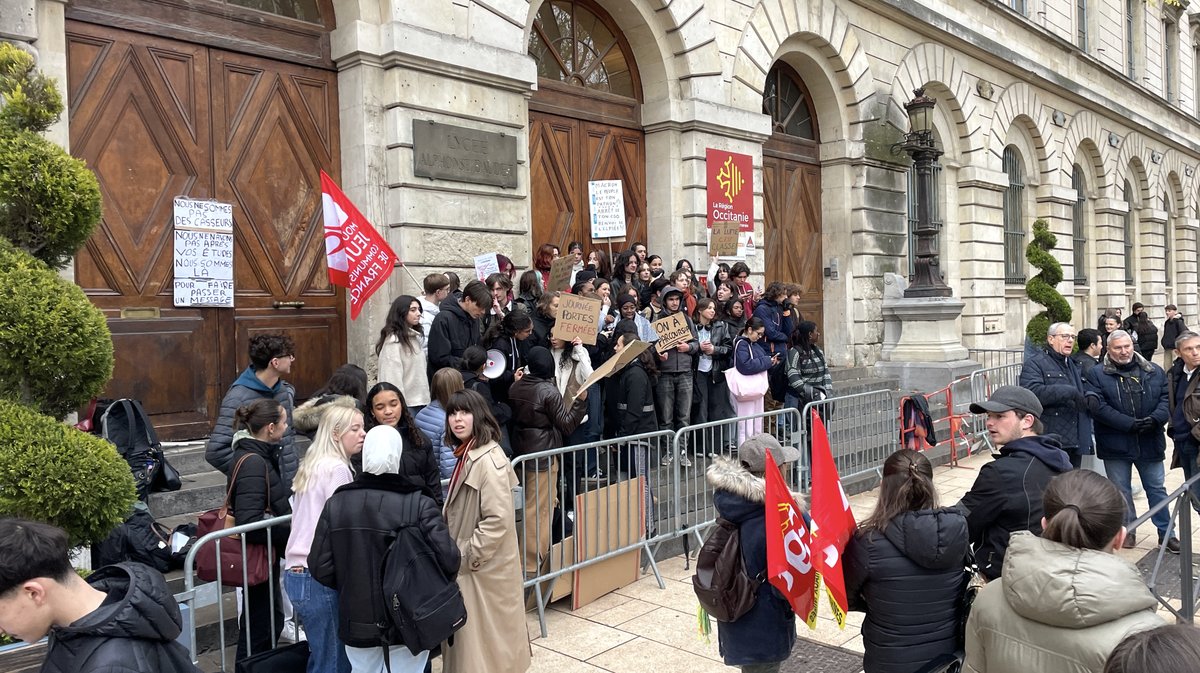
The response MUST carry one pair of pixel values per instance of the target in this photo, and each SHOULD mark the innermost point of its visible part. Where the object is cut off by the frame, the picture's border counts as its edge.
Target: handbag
(255, 565)
(287, 659)
(973, 581)
(746, 387)
(165, 477)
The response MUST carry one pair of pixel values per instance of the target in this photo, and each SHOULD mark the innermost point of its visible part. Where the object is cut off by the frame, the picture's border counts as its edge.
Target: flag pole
(400, 263)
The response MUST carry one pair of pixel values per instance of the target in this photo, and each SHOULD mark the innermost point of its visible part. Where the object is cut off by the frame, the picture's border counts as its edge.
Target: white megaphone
(495, 364)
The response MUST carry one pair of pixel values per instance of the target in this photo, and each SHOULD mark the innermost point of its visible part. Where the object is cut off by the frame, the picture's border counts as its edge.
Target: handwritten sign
(606, 203)
(672, 330)
(723, 238)
(577, 318)
(560, 274)
(486, 265)
(203, 259)
(615, 364)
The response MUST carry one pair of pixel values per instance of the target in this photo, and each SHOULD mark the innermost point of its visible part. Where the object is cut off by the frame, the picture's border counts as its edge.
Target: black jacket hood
(139, 605)
(932, 538)
(1045, 448)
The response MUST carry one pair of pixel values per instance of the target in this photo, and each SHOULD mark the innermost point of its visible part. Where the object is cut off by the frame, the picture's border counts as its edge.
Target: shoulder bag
(226, 552)
(745, 387)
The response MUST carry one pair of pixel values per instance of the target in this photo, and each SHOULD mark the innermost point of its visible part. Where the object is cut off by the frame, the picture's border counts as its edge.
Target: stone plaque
(445, 152)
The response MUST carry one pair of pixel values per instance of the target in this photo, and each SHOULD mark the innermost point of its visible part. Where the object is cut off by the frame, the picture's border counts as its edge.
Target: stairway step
(187, 458)
(200, 492)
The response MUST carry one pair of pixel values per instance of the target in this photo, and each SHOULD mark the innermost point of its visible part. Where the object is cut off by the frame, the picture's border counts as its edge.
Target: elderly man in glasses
(1057, 382)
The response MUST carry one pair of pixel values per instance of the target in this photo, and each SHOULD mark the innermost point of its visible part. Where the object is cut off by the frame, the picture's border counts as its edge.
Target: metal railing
(996, 357)
(196, 597)
(1181, 501)
(863, 431)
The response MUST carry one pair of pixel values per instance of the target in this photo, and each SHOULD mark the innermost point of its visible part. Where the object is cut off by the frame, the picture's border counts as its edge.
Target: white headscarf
(381, 450)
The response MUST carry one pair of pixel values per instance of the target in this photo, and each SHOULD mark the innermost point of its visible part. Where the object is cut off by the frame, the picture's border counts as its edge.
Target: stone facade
(1062, 89)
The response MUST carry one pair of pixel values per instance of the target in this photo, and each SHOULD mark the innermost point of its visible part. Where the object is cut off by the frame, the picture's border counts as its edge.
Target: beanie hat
(541, 362)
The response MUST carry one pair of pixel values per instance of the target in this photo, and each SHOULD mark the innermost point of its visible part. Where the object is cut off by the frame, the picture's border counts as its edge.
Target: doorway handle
(288, 304)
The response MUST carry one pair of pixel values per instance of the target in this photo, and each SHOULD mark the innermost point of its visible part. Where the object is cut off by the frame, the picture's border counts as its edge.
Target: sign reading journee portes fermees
(357, 256)
(446, 152)
(606, 204)
(203, 269)
(578, 318)
(730, 200)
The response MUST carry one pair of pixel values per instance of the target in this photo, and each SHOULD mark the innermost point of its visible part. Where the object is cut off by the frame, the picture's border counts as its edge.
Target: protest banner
(672, 330)
(560, 274)
(577, 319)
(203, 260)
(486, 264)
(606, 203)
(615, 364)
(723, 238)
(358, 258)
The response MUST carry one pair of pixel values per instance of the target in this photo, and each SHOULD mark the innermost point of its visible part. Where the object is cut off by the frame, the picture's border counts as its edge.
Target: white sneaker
(684, 461)
(292, 632)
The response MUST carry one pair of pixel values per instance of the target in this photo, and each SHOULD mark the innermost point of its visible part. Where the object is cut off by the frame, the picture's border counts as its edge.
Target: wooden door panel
(792, 230)
(139, 118)
(553, 159)
(276, 127)
(615, 153)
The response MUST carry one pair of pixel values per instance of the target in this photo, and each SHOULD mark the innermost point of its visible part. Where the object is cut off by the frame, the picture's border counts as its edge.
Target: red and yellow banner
(832, 521)
(790, 566)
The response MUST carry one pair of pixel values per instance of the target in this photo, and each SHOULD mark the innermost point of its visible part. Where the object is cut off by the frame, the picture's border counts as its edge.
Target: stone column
(1151, 250)
(1109, 249)
(981, 255)
(1186, 278)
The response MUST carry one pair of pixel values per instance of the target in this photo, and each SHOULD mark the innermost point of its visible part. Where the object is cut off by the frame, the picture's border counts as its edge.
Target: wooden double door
(156, 119)
(792, 225)
(564, 155)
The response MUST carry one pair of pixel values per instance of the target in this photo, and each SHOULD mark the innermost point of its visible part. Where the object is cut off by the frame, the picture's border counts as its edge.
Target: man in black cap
(1007, 494)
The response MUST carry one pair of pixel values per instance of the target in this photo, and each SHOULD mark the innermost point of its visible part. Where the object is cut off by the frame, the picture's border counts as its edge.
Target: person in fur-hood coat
(764, 636)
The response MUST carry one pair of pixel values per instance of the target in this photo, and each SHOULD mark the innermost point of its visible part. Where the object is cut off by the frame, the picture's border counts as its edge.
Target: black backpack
(721, 583)
(125, 424)
(424, 606)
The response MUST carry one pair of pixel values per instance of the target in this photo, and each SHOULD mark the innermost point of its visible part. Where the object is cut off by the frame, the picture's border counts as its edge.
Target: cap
(753, 452)
(1007, 398)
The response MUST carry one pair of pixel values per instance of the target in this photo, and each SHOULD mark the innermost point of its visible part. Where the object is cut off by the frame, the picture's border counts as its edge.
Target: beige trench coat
(483, 523)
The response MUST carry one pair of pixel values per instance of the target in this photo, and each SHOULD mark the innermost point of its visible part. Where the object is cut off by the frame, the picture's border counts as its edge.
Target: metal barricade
(703, 442)
(989, 358)
(863, 430)
(198, 596)
(616, 501)
(984, 381)
(1181, 502)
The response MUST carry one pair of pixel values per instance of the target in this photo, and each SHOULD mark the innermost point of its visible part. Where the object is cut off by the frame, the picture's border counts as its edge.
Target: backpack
(424, 606)
(721, 583)
(139, 538)
(125, 424)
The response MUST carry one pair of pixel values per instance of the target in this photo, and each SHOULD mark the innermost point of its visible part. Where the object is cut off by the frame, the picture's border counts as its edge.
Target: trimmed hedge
(56, 351)
(31, 100)
(54, 473)
(1041, 288)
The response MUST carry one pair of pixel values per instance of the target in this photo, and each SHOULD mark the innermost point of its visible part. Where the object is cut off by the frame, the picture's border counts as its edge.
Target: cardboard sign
(486, 265)
(723, 238)
(606, 204)
(614, 364)
(672, 331)
(560, 274)
(203, 259)
(608, 519)
(577, 319)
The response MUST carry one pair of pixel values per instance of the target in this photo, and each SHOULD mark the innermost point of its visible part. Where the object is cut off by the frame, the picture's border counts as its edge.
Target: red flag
(832, 520)
(357, 256)
(789, 560)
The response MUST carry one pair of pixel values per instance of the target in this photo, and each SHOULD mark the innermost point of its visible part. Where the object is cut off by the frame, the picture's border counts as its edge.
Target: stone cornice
(693, 115)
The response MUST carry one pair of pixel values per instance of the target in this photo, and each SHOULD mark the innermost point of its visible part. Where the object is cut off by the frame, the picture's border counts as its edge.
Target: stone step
(187, 458)
(200, 492)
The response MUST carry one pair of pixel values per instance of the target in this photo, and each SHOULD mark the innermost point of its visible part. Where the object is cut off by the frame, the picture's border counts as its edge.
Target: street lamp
(927, 278)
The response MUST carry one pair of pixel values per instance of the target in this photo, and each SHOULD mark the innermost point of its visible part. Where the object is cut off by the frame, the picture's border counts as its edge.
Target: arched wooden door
(159, 117)
(792, 190)
(584, 123)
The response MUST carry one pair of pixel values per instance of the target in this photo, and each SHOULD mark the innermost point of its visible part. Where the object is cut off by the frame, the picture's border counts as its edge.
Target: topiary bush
(49, 200)
(1041, 288)
(54, 473)
(55, 346)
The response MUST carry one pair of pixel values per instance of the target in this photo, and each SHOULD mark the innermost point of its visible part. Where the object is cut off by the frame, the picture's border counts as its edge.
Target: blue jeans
(1151, 472)
(316, 606)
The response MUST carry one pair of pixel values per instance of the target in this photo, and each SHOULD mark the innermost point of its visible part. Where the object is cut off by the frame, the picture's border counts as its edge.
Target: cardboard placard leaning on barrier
(578, 318)
(672, 330)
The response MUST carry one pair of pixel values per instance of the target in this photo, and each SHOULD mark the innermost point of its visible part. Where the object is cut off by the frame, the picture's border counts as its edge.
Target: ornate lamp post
(927, 277)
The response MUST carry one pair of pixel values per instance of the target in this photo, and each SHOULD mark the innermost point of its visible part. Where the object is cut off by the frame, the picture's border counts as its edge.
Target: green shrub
(1041, 288)
(54, 473)
(56, 351)
(30, 99)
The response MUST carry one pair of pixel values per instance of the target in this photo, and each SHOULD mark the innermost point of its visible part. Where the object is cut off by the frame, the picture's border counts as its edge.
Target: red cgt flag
(832, 520)
(357, 256)
(789, 561)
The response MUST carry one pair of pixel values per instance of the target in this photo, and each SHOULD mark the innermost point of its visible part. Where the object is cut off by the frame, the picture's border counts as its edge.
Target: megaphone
(495, 364)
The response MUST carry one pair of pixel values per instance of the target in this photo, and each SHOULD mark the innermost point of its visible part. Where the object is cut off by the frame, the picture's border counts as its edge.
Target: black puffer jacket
(629, 403)
(1007, 497)
(250, 493)
(354, 531)
(1057, 382)
(133, 631)
(540, 417)
(247, 389)
(909, 581)
(452, 332)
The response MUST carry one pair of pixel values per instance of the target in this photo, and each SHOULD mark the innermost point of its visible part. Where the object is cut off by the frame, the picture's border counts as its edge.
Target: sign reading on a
(606, 203)
(577, 319)
(560, 274)
(730, 198)
(672, 330)
(203, 260)
(486, 265)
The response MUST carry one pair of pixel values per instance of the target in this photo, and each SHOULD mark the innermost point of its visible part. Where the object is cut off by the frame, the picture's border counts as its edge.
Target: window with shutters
(1079, 226)
(1129, 229)
(1014, 225)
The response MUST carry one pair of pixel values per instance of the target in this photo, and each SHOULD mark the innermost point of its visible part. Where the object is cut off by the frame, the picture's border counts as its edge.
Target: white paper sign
(203, 260)
(606, 202)
(486, 265)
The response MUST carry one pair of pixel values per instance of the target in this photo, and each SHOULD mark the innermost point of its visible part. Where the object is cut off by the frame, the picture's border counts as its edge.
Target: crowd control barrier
(1182, 502)
(863, 431)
